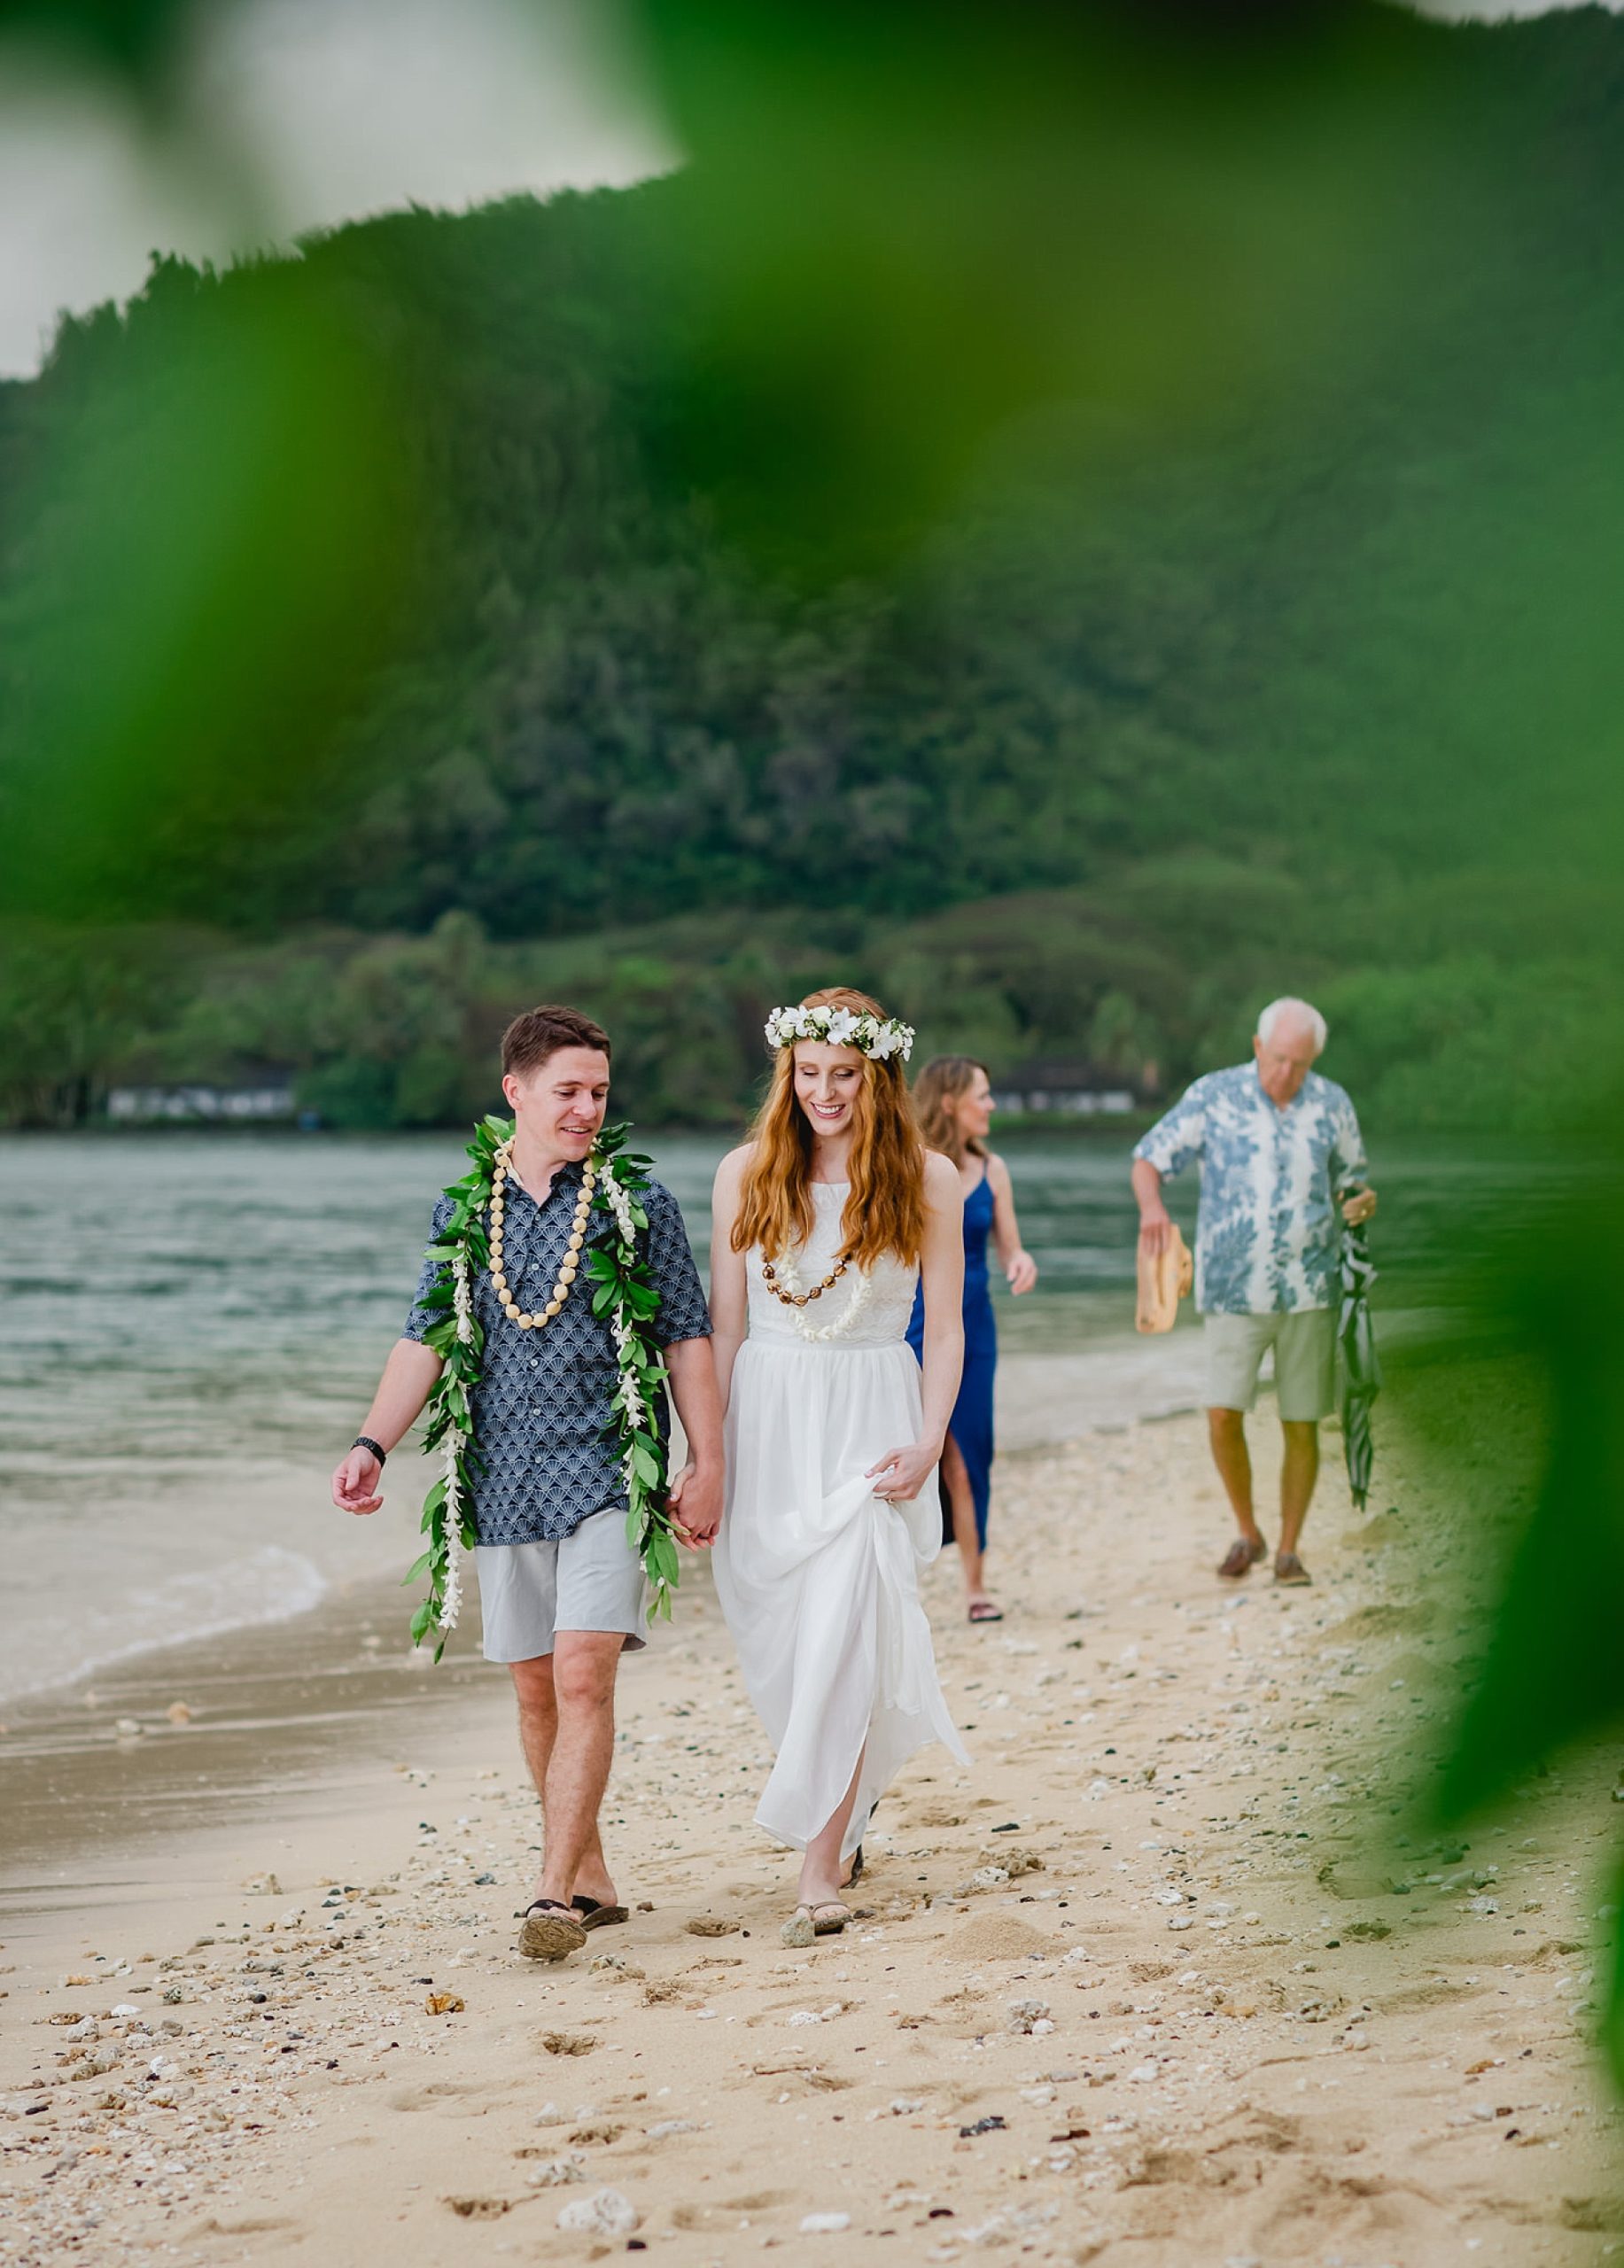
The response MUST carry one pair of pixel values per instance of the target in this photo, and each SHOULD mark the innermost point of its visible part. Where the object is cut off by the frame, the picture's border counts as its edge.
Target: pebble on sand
(605, 2213)
(552, 2173)
(825, 2224)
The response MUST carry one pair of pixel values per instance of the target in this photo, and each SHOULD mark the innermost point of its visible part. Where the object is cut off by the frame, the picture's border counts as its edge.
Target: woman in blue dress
(953, 1098)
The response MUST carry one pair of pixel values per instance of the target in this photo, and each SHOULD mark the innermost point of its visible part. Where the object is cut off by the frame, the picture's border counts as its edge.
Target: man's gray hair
(1292, 1012)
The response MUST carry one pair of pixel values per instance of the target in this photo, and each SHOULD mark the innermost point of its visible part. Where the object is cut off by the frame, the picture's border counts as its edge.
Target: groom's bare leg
(533, 1684)
(822, 1868)
(576, 1771)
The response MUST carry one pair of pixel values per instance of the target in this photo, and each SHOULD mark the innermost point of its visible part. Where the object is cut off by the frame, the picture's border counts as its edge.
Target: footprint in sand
(435, 2094)
(265, 2227)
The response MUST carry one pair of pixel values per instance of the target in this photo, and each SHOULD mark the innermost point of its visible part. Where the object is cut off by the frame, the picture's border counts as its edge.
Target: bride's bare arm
(728, 1296)
(902, 1474)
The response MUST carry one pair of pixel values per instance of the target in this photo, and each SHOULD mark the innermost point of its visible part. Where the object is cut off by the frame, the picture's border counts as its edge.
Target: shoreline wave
(204, 1602)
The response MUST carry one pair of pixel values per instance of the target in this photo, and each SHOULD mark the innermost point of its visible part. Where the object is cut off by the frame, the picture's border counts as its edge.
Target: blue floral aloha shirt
(1267, 1234)
(542, 1405)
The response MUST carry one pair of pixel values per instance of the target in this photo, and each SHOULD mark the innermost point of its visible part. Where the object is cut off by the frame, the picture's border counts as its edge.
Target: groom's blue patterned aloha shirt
(1267, 1233)
(542, 1407)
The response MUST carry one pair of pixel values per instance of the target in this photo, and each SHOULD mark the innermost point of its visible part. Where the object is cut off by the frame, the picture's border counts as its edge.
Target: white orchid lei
(876, 1037)
(623, 1292)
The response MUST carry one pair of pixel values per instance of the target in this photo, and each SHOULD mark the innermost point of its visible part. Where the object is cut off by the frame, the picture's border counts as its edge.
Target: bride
(824, 1220)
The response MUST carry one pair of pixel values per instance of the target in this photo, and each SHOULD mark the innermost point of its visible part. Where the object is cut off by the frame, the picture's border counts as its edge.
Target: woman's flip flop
(808, 1923)
(983, 1610)
(550, 1931)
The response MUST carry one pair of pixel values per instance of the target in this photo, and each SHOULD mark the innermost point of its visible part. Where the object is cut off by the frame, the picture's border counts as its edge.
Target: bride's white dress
(817, 1577)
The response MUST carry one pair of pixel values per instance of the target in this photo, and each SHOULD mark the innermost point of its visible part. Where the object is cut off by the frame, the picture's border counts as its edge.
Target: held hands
(694, 1502)
(1022, 1273)
(1357, 1208)
(902, 1473)
(355, 1482)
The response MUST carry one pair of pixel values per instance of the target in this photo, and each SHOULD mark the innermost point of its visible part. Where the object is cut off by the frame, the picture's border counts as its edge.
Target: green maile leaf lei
(622, 1295)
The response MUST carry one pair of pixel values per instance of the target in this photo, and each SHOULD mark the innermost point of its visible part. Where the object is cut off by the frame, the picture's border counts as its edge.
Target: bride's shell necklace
(501, 1167)
(783, 1280)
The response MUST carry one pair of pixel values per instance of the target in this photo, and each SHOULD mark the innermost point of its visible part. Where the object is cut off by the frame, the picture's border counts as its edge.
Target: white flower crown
(875, 1037)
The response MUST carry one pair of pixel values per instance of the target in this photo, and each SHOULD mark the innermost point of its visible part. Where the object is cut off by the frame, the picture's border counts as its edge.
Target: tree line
(396, 1030)
(1300, 689)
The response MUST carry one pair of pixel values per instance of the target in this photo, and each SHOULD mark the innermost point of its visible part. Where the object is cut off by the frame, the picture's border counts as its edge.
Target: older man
(1280, 1151)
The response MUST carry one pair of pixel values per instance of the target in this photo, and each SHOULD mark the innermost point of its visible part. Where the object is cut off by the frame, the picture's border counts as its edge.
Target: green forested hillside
(1312, 684)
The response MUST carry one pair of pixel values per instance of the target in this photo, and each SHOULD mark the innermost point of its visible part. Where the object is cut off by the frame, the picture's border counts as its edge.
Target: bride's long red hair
(885, 1204)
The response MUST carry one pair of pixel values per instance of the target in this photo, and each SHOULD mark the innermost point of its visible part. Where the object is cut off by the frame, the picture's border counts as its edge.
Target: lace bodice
(882, 1317)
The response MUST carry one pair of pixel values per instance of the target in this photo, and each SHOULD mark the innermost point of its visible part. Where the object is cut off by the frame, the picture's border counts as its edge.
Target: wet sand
(1148, 1984)
(210, 1739)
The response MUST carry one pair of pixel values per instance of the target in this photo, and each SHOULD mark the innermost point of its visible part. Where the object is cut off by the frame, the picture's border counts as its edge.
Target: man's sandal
(1289, 1570)
(550, 1931)
(596, 1915)
(1241, 1558)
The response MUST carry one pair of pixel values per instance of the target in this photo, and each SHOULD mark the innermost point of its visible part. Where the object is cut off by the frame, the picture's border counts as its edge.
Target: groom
(562, 1588)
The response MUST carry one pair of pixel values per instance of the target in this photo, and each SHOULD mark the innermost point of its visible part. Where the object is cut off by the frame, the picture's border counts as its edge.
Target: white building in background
(252, 1102)
(1081, 1088)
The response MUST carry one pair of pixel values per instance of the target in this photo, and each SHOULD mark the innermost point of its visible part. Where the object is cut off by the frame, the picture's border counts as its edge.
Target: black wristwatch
(361, 1442)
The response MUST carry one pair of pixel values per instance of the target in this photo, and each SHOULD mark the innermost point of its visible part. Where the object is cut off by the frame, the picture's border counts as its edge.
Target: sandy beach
(1151, 1982)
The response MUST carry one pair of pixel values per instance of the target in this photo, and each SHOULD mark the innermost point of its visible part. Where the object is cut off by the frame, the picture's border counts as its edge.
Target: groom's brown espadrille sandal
(1289, 1570)
(550, 1931)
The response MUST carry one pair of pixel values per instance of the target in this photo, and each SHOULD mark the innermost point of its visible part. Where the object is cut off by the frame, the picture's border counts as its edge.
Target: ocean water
(191, 1325)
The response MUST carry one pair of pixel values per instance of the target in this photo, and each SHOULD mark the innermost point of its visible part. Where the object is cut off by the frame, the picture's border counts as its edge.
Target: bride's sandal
(809, 1923)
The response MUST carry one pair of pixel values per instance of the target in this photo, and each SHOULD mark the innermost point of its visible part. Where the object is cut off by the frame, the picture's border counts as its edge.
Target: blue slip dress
(971, 1425)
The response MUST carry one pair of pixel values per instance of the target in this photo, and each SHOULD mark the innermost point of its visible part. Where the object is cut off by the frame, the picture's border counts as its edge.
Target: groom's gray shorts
(588, 1580)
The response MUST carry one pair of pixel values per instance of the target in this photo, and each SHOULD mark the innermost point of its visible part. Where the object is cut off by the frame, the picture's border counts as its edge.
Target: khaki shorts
(1304, 1346)
(589, 1580)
